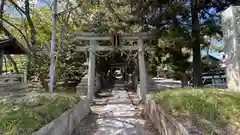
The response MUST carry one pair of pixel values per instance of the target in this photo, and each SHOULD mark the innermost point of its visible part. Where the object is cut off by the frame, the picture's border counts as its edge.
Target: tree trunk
(44, 83)
(1, 13)
(13, 62)
(197, 71)
(29, 20)
(32, 46)
(32, 28)
(52, 55)
(1, 25)
(5, 62)
(184, 79)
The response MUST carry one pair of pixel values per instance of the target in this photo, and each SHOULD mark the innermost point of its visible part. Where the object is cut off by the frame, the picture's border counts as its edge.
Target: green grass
(25, 117)
(207, 108)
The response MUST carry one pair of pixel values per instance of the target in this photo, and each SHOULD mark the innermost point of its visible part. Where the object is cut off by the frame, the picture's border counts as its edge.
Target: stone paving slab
(120, 97)
(118, 117)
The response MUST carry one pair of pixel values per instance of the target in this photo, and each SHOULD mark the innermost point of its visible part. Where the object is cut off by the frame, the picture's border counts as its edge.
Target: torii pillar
(91, 71)
(142, 70)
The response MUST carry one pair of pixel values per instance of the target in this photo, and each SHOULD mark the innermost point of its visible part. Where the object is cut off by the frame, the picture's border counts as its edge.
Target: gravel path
(118, 117)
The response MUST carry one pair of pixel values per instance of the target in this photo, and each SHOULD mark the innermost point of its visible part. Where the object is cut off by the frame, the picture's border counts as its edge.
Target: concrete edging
(13, 87)
(67, 121)
(164, 123)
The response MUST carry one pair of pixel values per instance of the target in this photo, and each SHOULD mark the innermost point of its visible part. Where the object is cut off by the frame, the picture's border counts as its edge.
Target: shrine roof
(12, 46)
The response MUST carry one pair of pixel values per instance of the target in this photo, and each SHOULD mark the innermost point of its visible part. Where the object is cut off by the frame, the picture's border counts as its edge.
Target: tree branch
(69, 10)
(9, 57)
(211, 15)
(9, 34)
(31, 25)
(1, 12)
(17, 7)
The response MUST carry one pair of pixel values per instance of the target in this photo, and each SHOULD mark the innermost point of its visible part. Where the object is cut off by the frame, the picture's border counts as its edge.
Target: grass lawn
(23, 117)
(207, 108)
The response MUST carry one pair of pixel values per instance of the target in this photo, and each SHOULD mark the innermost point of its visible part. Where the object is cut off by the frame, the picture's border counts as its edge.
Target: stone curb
(67, 121)
(13, 87)
(164, 123)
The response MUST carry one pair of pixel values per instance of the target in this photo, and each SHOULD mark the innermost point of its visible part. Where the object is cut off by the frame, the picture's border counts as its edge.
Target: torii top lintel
(92, 36)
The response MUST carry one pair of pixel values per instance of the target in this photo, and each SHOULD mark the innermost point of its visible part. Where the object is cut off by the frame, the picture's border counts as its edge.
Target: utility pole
(52, 53)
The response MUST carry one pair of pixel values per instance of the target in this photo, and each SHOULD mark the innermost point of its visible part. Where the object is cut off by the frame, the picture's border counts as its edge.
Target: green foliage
(172, 53)
(25, 117)
(216, 106)
(169, 21)
(68, 64)
(172, 22)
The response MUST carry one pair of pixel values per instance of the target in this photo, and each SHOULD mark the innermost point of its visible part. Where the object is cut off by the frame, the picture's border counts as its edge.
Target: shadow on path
(115, 119)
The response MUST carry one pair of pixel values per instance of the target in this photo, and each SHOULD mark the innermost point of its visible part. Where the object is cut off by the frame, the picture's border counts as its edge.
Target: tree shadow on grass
(205, 115)
(164, 84)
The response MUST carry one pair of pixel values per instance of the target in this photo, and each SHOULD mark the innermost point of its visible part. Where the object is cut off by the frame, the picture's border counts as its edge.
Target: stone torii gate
(94, 47)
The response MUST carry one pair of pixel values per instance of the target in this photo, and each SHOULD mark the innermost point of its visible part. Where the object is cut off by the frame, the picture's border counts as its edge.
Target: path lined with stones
(115, 115)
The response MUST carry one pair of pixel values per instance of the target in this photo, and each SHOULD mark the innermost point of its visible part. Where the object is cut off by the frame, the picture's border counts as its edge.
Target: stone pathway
(118, 117)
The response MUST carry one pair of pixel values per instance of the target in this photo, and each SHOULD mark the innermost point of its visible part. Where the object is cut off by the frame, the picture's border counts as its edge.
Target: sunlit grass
(216, 106)
(26, 116)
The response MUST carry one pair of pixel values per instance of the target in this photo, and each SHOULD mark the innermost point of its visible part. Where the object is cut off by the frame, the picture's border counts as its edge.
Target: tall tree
(53, 44)
(1, 32)
(197, 68)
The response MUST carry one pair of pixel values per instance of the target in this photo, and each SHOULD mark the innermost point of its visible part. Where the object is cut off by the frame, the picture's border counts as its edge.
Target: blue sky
(212, 53)
(40, 3)
(214, 42)
(14, 13)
